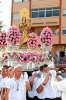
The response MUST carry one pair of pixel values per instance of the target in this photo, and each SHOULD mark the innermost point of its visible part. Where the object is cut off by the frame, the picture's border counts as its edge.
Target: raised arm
(58, 86)
(28, 86)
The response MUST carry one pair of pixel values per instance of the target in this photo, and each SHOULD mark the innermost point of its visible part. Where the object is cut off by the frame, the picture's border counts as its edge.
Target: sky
(5, 7)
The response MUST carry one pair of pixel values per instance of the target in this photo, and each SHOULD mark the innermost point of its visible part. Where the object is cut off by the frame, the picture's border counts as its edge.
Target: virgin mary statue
(24, 26)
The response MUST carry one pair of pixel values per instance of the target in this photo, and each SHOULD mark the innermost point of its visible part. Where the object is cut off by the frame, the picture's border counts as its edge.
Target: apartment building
(51, 13)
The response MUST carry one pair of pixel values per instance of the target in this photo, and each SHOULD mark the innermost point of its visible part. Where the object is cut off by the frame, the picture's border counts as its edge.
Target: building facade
(51, 13)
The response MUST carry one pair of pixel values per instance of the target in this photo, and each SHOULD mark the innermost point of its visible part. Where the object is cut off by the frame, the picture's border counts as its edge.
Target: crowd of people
(59, 60)
(42, 84)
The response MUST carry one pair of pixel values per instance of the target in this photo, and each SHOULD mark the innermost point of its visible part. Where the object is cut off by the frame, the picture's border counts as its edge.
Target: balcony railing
(60, 60)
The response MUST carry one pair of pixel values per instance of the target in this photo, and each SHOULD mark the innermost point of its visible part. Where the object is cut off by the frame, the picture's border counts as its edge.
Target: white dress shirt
(59, 86)
(3, 82)
(17, 89)
(38, 83)
(48, 90)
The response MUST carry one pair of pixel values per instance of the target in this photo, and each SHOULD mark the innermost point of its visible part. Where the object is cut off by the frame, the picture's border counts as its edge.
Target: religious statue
(24, 26)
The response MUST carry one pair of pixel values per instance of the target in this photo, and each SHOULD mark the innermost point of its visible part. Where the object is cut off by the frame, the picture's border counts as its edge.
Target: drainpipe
(30, 12)
(11, 12)
(60, 21)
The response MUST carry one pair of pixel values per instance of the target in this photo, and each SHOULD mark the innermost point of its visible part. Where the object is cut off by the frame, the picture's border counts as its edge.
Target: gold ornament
(24, 13)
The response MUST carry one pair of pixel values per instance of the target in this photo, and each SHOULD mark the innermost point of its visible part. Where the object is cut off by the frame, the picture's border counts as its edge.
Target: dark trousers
(28, 98)
(36, 98)
(53, 99)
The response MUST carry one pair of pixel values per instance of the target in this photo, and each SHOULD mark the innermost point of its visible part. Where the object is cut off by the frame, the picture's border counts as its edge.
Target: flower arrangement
(33, 41)
(47, 37)
(2, 39)
(24, 57)
(13, 35)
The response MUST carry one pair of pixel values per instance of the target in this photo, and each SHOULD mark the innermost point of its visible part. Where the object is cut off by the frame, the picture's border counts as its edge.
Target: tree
(1, 22)
(1, 25)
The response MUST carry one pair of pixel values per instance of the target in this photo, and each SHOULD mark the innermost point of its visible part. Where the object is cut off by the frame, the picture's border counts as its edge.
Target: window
(17, 0)
(57, 31)
(16, 16)
(41, 13)
(34, 13)
(64, 31)
(24, 0)
(41, 9)
(55, 8)
(34, 10)
(48, 13)
(62, 53)
(64, 12)
(56, 11)
(45, 12)
(20, 0)
(53, 31)
(38, 13)
(39, 32)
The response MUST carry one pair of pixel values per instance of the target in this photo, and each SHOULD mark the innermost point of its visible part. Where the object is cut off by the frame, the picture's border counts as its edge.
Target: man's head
(44, 68)
(4, 70)
(36, 69)
(11, 72)
(62, 70)
(18, 71)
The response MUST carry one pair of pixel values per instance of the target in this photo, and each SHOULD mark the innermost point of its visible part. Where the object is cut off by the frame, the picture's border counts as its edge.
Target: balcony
(63, 39)
(56, 39)
(63, 35)
(44, 3)
(64, 21)
(19, 5)
(60, 63)
(51, 21)
(64, 4)
(37, 22)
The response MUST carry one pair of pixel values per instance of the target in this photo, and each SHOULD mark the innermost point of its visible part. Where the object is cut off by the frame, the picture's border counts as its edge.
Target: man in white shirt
(59, 86)
(16, 86)
(4, 79)
(49, 93)
(35, 79)
(9, 72)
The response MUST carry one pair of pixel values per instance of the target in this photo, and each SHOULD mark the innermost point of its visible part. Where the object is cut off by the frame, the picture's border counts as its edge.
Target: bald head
(17, 71)
(19, 65)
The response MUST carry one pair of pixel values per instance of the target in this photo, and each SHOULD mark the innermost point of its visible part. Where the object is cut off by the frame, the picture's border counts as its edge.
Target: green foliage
(1, 24)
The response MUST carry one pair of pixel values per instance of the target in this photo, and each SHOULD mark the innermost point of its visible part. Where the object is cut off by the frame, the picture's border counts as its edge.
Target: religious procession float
(20, 46)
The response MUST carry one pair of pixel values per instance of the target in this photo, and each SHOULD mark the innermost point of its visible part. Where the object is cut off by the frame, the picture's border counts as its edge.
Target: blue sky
(6, 12)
